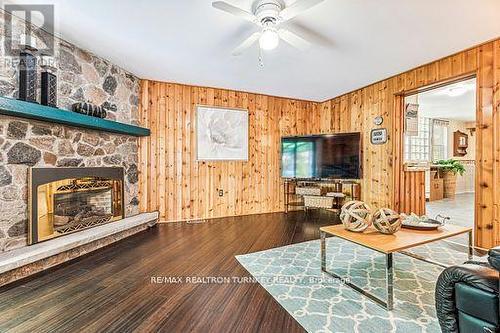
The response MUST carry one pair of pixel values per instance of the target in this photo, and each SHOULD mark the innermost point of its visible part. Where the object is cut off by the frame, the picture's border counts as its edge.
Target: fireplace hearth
(66, 200)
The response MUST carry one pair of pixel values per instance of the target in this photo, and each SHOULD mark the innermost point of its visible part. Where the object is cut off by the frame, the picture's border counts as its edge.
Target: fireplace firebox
(66, 200)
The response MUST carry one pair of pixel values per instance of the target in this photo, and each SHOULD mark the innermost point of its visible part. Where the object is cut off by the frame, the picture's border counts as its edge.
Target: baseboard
(195, 220)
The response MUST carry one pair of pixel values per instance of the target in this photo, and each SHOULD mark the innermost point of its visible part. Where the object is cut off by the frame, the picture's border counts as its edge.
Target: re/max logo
(34, 26)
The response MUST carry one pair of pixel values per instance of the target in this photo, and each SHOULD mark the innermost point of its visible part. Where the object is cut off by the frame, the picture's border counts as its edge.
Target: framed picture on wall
(221, 134)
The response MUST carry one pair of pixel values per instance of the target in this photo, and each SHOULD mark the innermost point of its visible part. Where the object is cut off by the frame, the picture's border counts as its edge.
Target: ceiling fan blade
(314, 37)
(294, 39)
(247, 43)
(228, 8)
(297, 8)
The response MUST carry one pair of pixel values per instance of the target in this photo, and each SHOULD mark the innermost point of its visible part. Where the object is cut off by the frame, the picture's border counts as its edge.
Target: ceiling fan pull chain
(261, 58)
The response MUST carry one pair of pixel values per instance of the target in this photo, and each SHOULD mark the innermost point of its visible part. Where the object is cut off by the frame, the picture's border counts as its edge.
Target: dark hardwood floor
(110, 290)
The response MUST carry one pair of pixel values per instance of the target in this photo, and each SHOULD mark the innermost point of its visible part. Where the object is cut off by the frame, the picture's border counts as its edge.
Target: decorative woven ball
(356, 216)
(387, 221)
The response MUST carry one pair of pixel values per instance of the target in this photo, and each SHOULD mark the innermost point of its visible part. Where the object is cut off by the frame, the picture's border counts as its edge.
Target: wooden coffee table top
(401, 240)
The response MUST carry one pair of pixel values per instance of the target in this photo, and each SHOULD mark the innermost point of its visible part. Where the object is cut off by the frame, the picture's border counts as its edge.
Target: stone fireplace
(66, 200)
(85, 181)
(26, 143)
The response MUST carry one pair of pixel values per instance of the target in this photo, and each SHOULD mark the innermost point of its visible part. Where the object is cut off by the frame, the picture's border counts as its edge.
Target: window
(439, 139)
(417, 148)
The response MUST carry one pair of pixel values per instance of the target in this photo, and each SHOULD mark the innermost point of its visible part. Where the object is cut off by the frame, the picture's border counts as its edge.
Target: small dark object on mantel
(89, 109)
(49, 82)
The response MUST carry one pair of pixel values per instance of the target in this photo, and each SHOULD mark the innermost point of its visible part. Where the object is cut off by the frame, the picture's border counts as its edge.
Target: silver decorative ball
(387, 221)
(355, 216)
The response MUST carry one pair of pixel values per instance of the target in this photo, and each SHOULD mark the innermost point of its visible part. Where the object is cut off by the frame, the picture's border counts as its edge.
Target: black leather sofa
(467, 298)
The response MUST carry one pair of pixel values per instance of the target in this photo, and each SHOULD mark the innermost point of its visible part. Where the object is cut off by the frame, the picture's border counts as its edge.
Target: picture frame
(221, 133)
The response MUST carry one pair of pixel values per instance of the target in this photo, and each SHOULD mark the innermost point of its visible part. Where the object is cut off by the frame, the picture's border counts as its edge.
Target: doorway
(439, 139)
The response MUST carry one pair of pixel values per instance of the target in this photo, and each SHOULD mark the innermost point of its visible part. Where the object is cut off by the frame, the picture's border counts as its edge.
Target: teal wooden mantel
(16, 108)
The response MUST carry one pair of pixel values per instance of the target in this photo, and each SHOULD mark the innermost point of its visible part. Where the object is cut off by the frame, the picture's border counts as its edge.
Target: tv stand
(351, 188)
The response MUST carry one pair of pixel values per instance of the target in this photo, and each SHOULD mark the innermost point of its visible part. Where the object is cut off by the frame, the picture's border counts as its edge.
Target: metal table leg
(389, 274)
(470, 253)
(424, 259)
(322, 236)
(389, 304)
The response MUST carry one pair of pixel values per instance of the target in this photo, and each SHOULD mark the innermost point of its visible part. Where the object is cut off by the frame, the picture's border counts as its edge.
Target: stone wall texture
(82, 76)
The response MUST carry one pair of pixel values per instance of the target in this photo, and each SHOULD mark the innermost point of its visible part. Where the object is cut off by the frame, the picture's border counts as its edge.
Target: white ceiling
(439, 104)
(188, 41)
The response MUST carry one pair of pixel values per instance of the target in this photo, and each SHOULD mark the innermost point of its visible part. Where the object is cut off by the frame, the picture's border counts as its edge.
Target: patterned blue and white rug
(320, 303)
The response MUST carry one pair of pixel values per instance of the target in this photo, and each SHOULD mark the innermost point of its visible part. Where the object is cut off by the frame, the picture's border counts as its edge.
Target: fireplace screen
(65, 200)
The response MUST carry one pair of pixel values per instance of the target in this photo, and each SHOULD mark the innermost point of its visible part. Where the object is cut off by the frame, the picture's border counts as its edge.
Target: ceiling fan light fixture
(269, 15)
(269, 40)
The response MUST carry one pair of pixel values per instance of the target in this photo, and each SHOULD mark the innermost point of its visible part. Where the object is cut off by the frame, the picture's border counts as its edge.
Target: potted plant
(449, 169)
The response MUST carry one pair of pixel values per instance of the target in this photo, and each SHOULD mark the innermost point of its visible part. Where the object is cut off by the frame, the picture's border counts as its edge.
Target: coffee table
(387, 245)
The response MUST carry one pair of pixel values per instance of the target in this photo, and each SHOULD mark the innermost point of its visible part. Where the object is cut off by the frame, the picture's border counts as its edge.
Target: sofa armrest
(478, 276)
(494, 257)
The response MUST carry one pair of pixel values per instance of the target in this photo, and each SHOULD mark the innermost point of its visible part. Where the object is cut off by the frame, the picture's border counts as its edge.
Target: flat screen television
(329, 156)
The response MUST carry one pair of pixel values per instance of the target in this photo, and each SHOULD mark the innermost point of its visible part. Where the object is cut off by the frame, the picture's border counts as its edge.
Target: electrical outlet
(221, 193)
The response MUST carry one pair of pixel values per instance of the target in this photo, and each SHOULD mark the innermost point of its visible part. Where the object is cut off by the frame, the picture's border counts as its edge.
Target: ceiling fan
(270, 15)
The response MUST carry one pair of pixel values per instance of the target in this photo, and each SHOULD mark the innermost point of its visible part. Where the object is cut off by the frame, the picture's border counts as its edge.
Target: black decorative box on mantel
(27, 77)
(49, 89)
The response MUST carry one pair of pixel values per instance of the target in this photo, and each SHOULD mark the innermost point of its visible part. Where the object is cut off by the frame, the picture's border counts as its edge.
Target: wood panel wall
(173, 182)
(414, 199)
(181, 188)
(383, 183)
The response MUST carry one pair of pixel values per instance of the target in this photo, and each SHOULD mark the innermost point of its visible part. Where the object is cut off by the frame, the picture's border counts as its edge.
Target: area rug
(320, 303)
